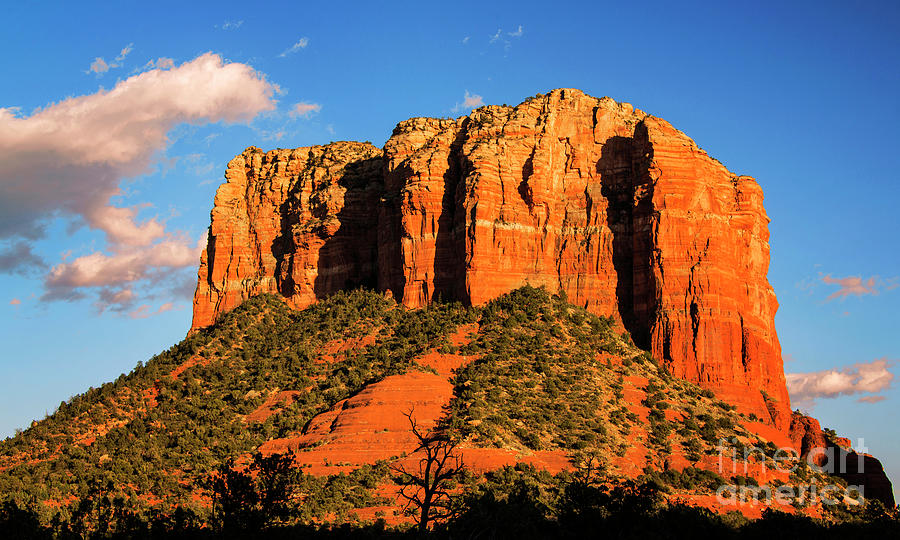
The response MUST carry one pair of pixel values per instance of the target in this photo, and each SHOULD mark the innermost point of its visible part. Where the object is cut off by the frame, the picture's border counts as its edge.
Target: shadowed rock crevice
(626, 185)
(524, 189)
(389, 256)
(328, 232)
(349, 258)
(449, 242)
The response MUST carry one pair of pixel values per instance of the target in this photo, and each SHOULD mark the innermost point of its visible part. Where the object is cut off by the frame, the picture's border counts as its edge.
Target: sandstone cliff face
(586, 196)
(299, 223)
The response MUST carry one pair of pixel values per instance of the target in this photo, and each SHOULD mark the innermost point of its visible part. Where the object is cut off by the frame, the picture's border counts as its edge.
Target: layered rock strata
(617, 209)
(301, 223)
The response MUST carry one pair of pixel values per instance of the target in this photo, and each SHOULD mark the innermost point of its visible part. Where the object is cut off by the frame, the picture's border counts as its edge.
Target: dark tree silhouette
(235, 498)
(428, 489)
(20, 522)
(258, 495)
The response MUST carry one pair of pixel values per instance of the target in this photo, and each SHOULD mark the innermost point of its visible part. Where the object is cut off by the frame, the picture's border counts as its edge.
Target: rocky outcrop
(866, 471)
(807, 437)
(835, 456)
(590, 197)
(300, 223)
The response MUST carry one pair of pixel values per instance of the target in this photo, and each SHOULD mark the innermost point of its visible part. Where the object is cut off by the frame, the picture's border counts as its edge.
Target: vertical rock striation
(299, 223)
(590, 197)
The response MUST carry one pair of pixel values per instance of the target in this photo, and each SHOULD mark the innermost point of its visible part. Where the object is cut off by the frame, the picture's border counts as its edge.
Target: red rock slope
(618, 209)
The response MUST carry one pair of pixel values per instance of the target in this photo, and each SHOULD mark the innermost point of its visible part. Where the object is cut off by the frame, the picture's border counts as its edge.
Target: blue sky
(802, 97)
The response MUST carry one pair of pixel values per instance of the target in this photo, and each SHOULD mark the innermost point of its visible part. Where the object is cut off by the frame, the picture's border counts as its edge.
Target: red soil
(369, 426)
(634, 461)
(272, 405)
(444, 364)
(464, 335)
(189, 363)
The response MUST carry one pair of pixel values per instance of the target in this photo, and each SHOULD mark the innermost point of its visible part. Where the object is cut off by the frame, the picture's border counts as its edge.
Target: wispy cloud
(184, 288)
(851, 285)
(69, 158)
(506, 38)
(846, 286)
(19, 258)
(160, 63)
(117, 300)
(15, 302)
(465, 40)
(470, 101)
(301, 44)
(198, 164)
(270, 134)
(143, 311)
(861, 378)
(124, 52)
(230, 25)
(100, 66)
(304, 109)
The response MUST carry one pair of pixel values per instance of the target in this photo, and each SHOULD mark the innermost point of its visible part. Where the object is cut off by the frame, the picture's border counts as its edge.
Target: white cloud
(301, 44)
(465, 40)
(69, 158)
(120, 226)
(518, 33)
(861, 378)
(230, 25)
(66, 280)
(303, 109)
(470, 101)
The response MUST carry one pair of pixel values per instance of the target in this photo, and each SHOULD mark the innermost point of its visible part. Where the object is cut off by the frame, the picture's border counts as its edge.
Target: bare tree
(427, 490)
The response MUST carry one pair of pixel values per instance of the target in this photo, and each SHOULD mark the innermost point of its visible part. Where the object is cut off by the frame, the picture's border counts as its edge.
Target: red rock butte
(589, 197)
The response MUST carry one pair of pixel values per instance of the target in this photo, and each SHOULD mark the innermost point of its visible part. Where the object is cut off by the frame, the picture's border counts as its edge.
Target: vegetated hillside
(535, 378)
(155, 433)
